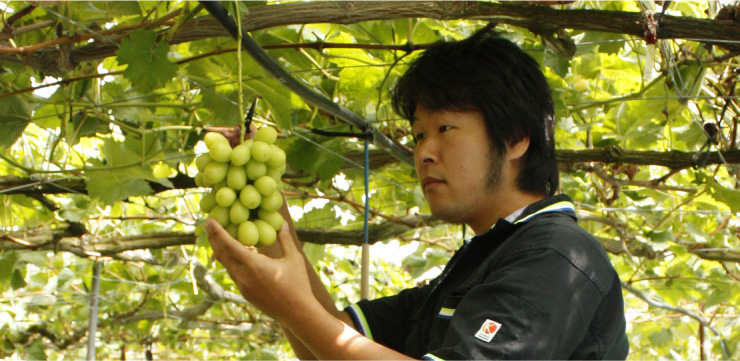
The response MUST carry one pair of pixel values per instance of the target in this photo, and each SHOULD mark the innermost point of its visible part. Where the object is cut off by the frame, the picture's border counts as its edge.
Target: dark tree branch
(568, 160)
(86, 245)
(672, 159)
(539, 19)
(115, 247)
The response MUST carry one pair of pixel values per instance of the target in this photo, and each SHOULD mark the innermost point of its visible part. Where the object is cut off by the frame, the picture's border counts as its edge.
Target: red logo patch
(488, 330)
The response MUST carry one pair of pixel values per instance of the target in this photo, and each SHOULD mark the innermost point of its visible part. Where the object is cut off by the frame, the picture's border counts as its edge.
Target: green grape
(266, 134)
(221, 215)
(260, 151)
(238, 213)
(240, 154)
(277, 158)
(220, 152)
(232, 230)
(207, 202)
(200, 180)
(219, 185)
(248, 234)
(236, 177)
(225, 197)
(275, 173)
(202, 161)
(266, 185)
(268, 235)
(272, 202)
(250, 197)
(256, 169)
(211, 138)
(215, 172)
(274, 219)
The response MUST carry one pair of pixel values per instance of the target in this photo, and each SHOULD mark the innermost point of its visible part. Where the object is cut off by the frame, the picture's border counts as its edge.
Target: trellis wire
(321, 146)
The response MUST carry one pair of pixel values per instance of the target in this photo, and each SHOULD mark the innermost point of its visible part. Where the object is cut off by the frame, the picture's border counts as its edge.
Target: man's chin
(446, 214)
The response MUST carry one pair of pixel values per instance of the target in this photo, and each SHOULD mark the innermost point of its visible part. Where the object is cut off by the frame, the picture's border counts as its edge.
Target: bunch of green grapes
(245, 184)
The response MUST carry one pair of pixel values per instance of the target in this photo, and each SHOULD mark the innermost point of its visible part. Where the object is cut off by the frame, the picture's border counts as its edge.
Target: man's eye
(443, 128)
(419, 136)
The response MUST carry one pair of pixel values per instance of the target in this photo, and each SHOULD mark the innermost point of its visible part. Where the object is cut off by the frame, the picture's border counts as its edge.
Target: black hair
(490, 74)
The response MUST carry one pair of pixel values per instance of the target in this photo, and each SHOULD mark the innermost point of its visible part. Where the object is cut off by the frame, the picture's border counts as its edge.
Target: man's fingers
(286, 241)
(223, 245)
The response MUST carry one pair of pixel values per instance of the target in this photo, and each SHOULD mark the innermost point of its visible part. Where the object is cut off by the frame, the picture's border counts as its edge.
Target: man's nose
(426, 152)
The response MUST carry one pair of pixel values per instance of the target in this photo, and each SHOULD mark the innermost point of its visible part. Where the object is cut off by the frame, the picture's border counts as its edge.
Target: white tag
(488, 330)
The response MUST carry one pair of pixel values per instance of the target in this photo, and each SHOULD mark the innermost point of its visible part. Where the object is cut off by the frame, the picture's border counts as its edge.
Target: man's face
(455, 164)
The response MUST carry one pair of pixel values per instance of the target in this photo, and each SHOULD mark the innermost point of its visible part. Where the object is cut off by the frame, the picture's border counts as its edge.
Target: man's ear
(517, 150)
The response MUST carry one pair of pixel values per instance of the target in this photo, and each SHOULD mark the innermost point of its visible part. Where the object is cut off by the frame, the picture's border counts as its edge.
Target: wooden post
(93, 319)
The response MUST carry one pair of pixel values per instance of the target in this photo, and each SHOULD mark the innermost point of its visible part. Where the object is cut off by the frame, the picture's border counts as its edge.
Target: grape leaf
(121, 7)
(7, 264)
(113, 185)
(85, 125)
(17, 280)
(557, 63)
(124, 178)
(277, 97)
(148, 66)
(223, 110)
(14, 117)
(36, 351)
(609, 43)
(312, 158)
(730, 197)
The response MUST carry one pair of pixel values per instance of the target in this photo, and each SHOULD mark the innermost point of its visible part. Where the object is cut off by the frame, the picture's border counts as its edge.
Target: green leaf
(314, 252)
(116, 186)
(556, 62)
(148, 66)
(85, 125)
(117, 8)
(730, 197)
(7, 264)
(609, 43)
(37, 258)
(312, 157)
(660, 236)
(277, 97)
(224, 111)
(113, 185)
(36, 351)
(17, 280)
(64, 276)
(15, 115)
(415, 265)
(126, 177)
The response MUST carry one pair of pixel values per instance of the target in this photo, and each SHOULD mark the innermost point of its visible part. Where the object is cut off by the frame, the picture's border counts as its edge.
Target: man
(530, 285)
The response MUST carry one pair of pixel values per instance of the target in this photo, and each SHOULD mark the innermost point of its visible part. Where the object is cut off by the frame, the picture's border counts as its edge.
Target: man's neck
(506, 204)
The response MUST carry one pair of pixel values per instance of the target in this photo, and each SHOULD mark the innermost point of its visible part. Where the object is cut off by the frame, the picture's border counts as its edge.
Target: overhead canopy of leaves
(95, 95)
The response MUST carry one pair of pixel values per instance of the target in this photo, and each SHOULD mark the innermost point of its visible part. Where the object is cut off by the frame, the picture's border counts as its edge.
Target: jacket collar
(559, 203)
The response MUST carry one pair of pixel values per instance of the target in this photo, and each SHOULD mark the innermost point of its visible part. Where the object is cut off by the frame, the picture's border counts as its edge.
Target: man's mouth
(430, 182)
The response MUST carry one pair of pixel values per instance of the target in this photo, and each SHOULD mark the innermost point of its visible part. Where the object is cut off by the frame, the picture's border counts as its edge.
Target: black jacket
(538, 288)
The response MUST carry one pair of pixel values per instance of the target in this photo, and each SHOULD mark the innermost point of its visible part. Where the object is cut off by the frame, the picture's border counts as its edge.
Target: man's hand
(279, 287)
